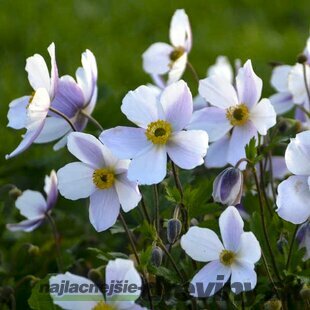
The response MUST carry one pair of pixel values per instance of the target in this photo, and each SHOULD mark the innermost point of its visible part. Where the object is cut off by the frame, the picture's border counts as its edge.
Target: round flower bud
(273, 304)
(227, 187)
(174, 227)
(157, 256)
(15, 192)
(33, 250)
(301, 58)
(94, 275)
(281, 243)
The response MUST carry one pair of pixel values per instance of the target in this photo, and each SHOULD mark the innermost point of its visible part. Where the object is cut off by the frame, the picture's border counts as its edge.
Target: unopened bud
(33, 250)
(157, 256)
(194, 222)
(227, 187)
(174, 227)
(305, 293)
(273, 304)
(94, 275)
(302, 58)
(281, 243)
(15, 192)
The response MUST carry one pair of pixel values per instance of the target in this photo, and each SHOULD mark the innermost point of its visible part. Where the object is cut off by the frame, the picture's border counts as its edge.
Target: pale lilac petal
(293, 199)
(249, 85)
(241, 136)
(104, 209)
(180, 30)
(296, 83)
(54, 71)
(127, 191)
(279, 168)
(217, 153)
(211, 119)
(75, 181)
(156, 59)
(177, 69)
(263, 116)
(159, 82)
(201, 244)
(222, 68)
(210, 279)
(125, 142)
(142, 107)
(51, 190)
(93, 296)
(249, 248)
(282, 102)
(17, 114)
(62, 142)
(177, 102)
(231, 226)
(297, 154)
(149, 167)
(188, 148)
(218, 92)
(243, 277)
(279, 78)
(26, 225)
(199, 103)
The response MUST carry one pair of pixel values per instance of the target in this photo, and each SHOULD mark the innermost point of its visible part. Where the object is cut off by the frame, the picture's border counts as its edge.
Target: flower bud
(227, 187)
(302, 58)
(157, 256)
(14, 193)
(281, 243)
(94, 275)
(174, 227)
(305, 293)
(33, 250)
(273, 304)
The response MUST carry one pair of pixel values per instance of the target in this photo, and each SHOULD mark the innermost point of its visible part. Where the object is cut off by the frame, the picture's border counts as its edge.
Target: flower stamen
(158, 132)
(238, 115)
(176, 53)
(227, 257)
(103, 178)
(101, 305)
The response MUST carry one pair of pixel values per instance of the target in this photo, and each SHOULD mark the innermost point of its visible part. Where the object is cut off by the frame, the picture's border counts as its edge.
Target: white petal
(17, 114)
(217, 153)
(211, 119)
(249, 85)
(201, 244)
(180, 30)
(54, 71)
(51, 190)
(142, 107)
(296, 83)
(149, 167)
(293, 199)
(222, 68)
(177, 103)
(243, 277)
(282, 102)
(188, 148)
(218, 92)
(104, 209)
(127, 191)
(210, 279)
(279, 78)
(61, 143)
(92, 292)
(249, 249)
(263, 116)
(279, 168)
(75, 181)
(297, 154)
(177, 69)
(156, 59)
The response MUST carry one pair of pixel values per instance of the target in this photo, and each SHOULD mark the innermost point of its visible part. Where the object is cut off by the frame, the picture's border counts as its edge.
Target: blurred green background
(118, 32)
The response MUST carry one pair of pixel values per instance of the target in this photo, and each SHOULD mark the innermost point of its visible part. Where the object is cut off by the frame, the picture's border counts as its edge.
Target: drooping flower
(84, 294)
(234, 258)
(162, 121)
(34, 206)
(100, 176)
(303, 238)
(161, 58)
(294, 193)
(236, 115)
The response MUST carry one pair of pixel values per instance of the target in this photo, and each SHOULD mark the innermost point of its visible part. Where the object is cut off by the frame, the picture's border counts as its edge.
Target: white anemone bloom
(100, 176)
(162, 120)
(294, 193)
(235, 115)
(161, 58)
(84, 294)
(234, 258)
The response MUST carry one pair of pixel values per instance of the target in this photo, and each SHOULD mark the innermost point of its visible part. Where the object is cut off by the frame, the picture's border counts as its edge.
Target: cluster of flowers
(213, 129)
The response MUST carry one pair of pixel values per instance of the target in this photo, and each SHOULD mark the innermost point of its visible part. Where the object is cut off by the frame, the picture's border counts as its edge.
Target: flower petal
(218, 92)
(51, 190)
(217, 153)
(231, 226)
(249, 249)
(279, 78)
(293, 199)
(210, 279)
(188, 148)
(177, 69)
(26, 225)
(222, 68)
(54, 71)
(75, 181)
(296, 83)
(17, 114)
(282, 102)
(211, 119)
(104, 209)
(201, 244)
(249, 85)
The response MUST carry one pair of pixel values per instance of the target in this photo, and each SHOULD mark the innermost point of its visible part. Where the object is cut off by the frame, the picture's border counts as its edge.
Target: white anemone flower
(234, 258)
(161, 58)
(84, 294)
(100, 176)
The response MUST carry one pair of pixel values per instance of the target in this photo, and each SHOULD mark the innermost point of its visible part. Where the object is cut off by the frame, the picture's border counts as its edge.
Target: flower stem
(92, 120)
(144, 209)
(157, 217)
(193, 71)
(305, 80)
(291, 248)
(64, 117)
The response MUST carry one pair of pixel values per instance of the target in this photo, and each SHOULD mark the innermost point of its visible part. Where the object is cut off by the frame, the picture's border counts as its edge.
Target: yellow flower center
(176, 53)
(103, 178)
(227, 257)
(238, 115)
(158, 132)
(101, 305)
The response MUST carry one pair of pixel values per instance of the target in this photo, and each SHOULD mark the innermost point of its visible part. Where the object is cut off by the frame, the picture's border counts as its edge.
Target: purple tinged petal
(279, 78)
(51, 190)
(26, 225)
(282, 102)
(17, 114)
(54, 71)
(217, 153)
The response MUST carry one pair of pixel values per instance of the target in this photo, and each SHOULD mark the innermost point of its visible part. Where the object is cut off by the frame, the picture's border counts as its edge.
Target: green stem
(144, 209)
(193, 71)
(305, 80)
(92, 120)
(291, 248)
(157, 217)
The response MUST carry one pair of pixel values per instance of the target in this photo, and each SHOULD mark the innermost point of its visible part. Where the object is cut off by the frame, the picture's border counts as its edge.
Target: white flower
(162, 120)
(234, 258)
(34, 206)
(121, 270)
(161, 58)
(100, 176)
(294, 193)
